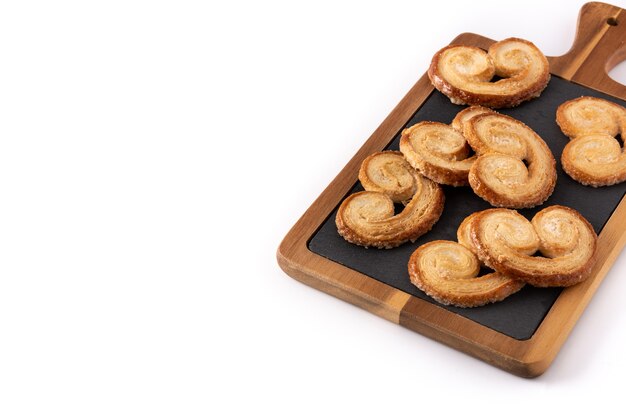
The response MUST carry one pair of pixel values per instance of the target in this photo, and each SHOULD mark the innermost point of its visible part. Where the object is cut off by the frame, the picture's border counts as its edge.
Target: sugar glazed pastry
(465, 73)
(593, 156)
(439, 151)
(367, 218)
(506, 242)
(515, 167)
(448, 272)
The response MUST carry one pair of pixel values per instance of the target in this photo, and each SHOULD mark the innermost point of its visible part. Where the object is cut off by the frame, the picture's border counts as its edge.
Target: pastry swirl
(464, 233)
(367, 218)
(593, 156)
(464, 116)
(448, 272)
(515, 167)
(464, 73)
(438, 151)
(506, 242)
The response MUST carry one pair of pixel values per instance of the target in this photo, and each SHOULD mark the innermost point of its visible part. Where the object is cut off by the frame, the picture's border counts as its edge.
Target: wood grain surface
(600, 44)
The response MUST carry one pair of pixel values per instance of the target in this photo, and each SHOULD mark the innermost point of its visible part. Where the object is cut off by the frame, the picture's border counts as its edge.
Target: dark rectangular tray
(521, 314)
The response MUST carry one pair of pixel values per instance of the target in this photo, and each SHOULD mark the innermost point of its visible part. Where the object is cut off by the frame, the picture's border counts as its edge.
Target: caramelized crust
(463, 117)
(464, 73)
(515, 167)
(506, 241)
(463, 233)
(367, 218)
(438, 152)
(448, 272)
(594, 156)
(388, 173)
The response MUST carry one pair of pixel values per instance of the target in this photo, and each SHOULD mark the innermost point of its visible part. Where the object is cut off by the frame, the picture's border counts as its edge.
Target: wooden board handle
(599, 45)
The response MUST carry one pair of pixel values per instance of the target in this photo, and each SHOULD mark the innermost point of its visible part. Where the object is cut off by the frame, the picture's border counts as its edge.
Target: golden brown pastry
(448, 272)
(506, 242)
(594, 156)
(464, 116)
(464, 73)
(463, 233)
(388, 173)
(515, 167)
(438, 151)
(367, 218)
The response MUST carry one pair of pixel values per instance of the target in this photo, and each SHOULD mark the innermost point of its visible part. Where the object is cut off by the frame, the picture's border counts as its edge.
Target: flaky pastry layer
(438, 151)
(508, 243)
(515, 167)
(465, 73)
(367, 218)
(593, 156)
(448, 272)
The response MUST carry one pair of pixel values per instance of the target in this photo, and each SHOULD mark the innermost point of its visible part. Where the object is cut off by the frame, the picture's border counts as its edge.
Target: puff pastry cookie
(463, 117)
(448, 272)
(367, 218)
(506, 242)
(515, 167)
(465, 73)
(593, 156)
(439, 151)
(464, 233)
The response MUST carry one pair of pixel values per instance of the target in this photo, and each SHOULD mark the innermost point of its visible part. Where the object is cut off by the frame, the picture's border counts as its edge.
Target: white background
(153, 155)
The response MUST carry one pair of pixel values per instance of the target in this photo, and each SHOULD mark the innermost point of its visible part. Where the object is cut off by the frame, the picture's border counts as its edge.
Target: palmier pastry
(367, 218)
(506, 242)
(464, 116)
(439, 151)
(448, 272)
(464, 235)
(464, 73)
(515, 167)
(593, 156)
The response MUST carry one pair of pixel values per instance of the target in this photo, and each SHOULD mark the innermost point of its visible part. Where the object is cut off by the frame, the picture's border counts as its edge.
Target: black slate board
(520, 315)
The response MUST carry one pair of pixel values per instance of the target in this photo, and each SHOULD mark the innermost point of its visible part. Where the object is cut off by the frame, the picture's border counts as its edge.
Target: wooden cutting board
(524, 333)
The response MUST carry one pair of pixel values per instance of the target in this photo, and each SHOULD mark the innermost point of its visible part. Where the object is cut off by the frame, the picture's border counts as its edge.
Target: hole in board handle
(611, 21)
